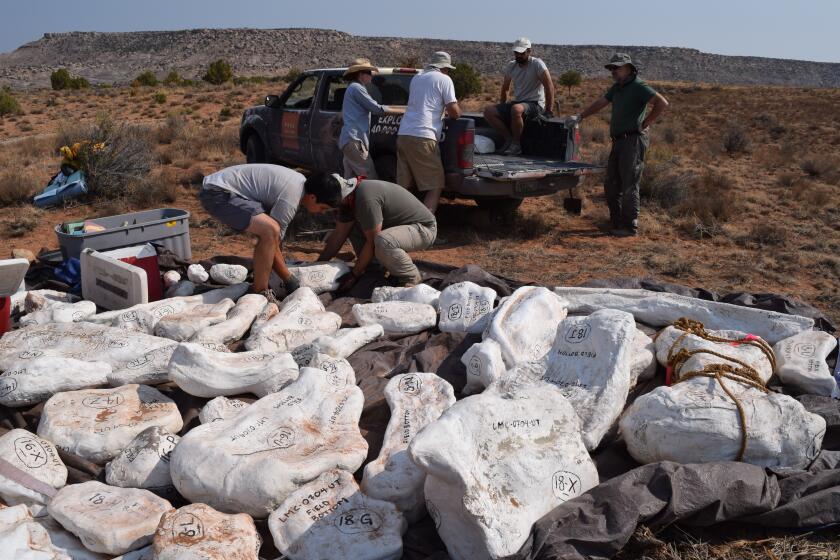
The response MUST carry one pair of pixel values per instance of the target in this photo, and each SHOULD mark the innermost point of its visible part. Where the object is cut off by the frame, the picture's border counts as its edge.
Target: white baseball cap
(522, 44)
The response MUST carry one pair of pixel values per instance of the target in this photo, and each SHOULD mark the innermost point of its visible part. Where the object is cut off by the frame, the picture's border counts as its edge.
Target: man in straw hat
(418, 155)
(629, 126)
(356, 109)
(533, 94)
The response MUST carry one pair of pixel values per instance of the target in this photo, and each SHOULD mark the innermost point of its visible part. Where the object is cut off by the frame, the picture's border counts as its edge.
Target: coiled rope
(744, 373)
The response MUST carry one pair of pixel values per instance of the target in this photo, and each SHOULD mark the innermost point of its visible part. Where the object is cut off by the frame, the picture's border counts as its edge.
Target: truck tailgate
(517, 168)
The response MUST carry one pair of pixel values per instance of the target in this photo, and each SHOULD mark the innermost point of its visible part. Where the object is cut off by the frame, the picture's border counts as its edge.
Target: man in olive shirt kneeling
(382, 220)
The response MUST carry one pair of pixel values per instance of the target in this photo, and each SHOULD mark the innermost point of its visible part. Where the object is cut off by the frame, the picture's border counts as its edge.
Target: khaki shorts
(357, 161)
(419, 164)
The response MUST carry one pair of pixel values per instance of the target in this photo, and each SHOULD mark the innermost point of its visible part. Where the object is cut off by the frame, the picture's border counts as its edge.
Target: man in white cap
(533, 94)
(356, 110)
(418, 155)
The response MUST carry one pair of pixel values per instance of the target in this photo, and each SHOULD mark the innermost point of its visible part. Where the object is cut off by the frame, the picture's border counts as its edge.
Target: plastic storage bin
(169, 227)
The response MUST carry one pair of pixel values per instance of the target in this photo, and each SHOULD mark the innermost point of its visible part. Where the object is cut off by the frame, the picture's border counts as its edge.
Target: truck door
(326, 125)
(292, 133)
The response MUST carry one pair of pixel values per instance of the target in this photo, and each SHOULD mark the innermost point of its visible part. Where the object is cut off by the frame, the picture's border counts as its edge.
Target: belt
(624, 135)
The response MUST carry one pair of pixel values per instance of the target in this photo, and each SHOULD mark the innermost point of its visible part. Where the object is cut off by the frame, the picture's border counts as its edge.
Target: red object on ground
(145, 257)
(5, 310)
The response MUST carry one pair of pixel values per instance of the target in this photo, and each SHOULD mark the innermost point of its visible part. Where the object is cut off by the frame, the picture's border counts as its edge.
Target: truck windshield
(390, 89)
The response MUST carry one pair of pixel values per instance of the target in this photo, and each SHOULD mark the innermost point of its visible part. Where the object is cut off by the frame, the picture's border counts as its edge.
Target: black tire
(254, 150)
(499, 206)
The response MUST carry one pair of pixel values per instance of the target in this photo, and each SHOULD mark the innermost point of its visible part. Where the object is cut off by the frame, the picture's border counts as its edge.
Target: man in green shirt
(629, 126)
(381, 219)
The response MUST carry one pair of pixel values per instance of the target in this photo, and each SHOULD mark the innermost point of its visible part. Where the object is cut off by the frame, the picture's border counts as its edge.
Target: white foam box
(112, 283)
(12, 272)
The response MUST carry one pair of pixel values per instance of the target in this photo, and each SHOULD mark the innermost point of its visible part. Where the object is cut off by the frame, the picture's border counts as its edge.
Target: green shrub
(467, 80)
(79, 83)
(8, 104)
(160, 97)
(218, 73)
(173, 79)
(147, 78)
(570, 79)
(61, 79)
(225, 113)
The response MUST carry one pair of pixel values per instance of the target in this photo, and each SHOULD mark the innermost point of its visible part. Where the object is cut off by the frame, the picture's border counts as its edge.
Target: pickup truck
(300, 128)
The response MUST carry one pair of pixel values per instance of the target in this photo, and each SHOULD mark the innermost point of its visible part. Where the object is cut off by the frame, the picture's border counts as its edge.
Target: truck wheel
(499, 206)
(254, 151)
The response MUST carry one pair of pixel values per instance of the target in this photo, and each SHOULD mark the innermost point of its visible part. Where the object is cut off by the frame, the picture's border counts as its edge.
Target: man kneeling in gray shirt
(382, 220)
(260, 199)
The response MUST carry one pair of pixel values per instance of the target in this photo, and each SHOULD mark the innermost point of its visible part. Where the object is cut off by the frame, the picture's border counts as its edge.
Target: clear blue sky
(804, 29)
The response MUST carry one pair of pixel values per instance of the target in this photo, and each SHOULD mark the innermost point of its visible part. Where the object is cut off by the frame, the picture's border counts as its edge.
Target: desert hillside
(119, 57)
(739, 194)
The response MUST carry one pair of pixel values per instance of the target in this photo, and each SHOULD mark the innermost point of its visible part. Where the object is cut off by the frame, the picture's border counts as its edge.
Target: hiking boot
(514, 149)
(407, 281)
(623, 232)
(270, 296)
(505, 146)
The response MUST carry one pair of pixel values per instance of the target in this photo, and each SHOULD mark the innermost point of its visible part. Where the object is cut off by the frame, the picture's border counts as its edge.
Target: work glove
(292, 284)
(573, 120)
(346, 281)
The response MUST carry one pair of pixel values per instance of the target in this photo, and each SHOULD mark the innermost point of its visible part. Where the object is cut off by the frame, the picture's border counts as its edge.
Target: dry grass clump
(160, 188)
(787, 180)
(813, 195)
(26, 219)
(596, 132)
(17, 187)
(818, 166)
(676, 544)
(712, 197)
(768, 234)
(736, 141)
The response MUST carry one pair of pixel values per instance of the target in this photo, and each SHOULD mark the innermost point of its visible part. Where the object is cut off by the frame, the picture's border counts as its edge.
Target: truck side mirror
(272, 101)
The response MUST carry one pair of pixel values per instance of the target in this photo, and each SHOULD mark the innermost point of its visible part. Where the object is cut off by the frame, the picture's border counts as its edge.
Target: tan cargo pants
(392, 245)
(357, 161)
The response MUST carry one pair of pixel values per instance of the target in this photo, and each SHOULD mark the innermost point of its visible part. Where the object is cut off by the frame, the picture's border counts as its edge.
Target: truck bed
(516, 168)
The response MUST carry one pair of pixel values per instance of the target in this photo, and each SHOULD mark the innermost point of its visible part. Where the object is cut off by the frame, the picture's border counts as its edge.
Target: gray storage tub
(169, 227)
